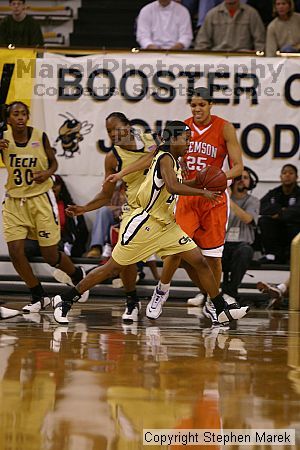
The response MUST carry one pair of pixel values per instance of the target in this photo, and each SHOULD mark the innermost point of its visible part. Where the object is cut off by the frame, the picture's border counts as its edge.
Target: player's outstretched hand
(74, 210)
(113, 178)
(213, 197)
(4, 143)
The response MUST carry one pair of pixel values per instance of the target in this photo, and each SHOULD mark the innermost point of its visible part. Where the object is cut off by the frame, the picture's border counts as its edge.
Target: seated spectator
(283, 33)
(238, 251)
(106, 217)
(276, 293)
(280, 217)
(74, 232)
(164, 24)
(204, 7)
(231, 27)
(19, 28)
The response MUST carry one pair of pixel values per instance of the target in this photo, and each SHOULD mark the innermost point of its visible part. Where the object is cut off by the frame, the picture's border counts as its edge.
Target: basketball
(211, 178)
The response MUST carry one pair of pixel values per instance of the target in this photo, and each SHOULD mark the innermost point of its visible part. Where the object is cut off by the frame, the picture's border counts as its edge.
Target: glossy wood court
(96, 384)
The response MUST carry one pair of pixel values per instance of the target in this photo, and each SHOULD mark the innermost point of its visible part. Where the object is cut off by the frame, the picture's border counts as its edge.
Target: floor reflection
(98, 383)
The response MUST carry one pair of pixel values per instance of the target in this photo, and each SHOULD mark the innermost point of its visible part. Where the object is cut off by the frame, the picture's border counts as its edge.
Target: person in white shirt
(164, 24)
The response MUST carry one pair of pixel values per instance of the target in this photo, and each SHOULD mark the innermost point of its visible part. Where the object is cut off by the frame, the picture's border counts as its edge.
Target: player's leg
(191, 213)
(131, 248)
(215, 264)
(152, 264)
(210, 238)
(16, 223)
(20, 262)
(46, 229)
(161, 292)
(200, 298)
(62, 263)
(128, 275)
(170, 242)
(63, 303)
(225, 312)
(39, 298)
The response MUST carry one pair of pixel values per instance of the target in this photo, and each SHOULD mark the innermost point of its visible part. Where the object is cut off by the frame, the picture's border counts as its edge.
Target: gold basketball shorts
(33, 218)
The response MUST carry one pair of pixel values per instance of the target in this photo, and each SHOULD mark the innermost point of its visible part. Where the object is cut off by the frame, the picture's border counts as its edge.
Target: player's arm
(103, 197)
(174, 187)
(191, 183)
(141, 164)
(42, 175)
(234, 152)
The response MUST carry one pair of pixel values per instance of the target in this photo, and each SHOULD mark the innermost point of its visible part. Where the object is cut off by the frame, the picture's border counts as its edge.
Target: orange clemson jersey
(207, 146)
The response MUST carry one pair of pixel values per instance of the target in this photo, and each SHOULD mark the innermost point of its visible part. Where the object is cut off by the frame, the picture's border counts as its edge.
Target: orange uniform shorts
(204, 221)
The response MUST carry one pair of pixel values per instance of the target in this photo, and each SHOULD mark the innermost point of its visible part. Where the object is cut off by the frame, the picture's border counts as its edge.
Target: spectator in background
(106, 217)
(280, 217)
(232, 27)
(164, 24)
(204, 7)
(238, 251)
(74, 232)
(277, 293)
(19, 28)
(283, 33)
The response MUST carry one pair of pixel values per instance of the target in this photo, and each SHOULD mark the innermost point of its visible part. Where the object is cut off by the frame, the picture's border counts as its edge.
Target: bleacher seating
(98, 21)
(53, 38)
(182, 287)
(56, 20)
(59, 12)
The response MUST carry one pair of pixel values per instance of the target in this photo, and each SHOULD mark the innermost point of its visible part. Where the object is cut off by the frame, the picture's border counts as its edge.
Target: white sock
(163, 287)
(282, 288)
(270, 257)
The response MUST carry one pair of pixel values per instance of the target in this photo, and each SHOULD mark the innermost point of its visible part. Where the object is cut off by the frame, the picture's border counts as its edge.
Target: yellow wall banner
(17, 71)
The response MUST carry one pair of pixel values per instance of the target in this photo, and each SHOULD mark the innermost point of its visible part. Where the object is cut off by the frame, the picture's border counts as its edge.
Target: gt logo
(44, 234)
(184, 240)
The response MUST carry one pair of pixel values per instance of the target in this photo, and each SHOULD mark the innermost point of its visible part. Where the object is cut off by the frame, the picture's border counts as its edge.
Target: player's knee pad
(57, 263)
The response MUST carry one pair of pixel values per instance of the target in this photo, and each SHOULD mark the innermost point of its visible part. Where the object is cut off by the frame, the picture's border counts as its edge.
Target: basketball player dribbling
(128, 148)
(213, 142)
(151, 228)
